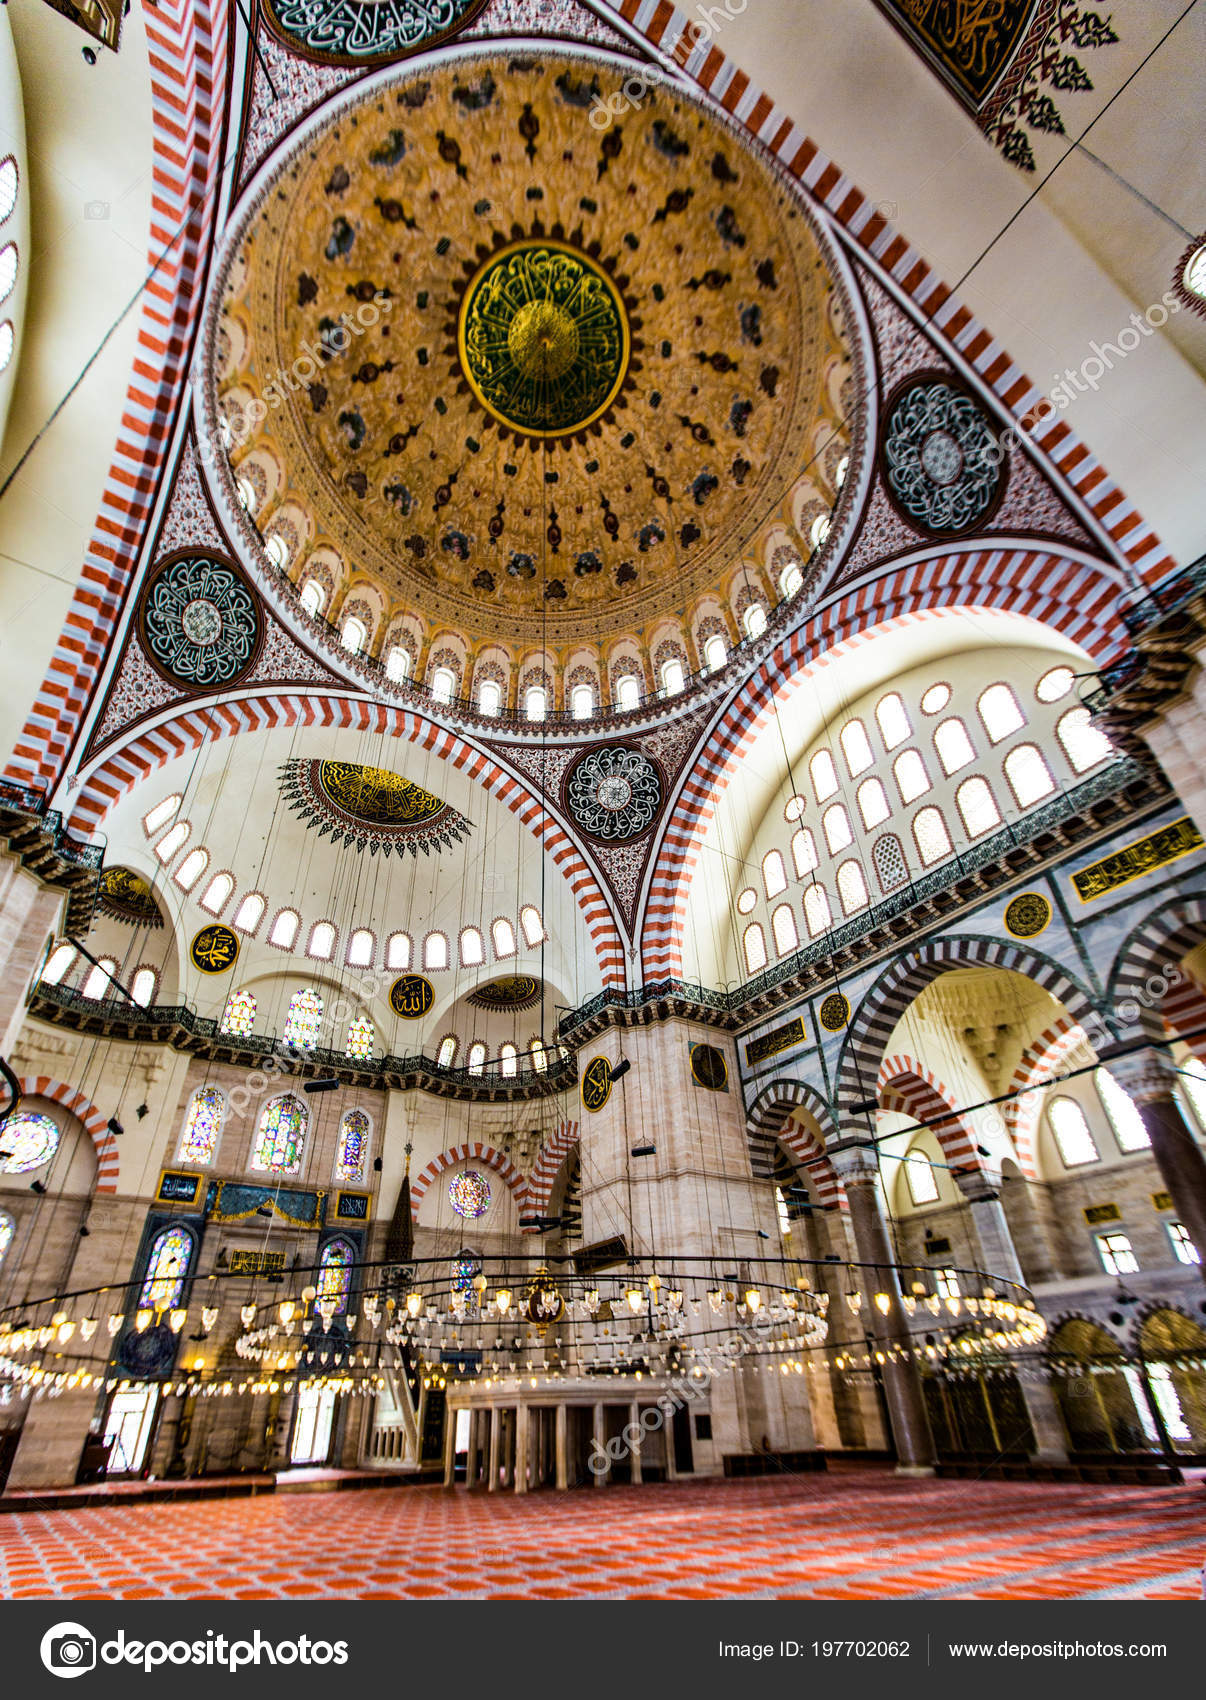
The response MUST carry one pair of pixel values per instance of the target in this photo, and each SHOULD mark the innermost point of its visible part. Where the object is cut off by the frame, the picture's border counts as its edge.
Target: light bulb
(286, 1310)
(209, 1316)
(177, 1319)
(414, 1304)
(247, 1312)
(115, 1322)
(88, 1327)
(143, 1320)
(715, 1298)
(883, 1303)
(753, 1298)
(502, 1299)
(855, 1300)
(635, 1298)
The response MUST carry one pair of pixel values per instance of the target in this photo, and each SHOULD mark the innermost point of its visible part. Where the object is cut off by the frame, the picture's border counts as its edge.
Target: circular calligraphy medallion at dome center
(202, 623)
(941, 457)
(614, 793)
(543, 338)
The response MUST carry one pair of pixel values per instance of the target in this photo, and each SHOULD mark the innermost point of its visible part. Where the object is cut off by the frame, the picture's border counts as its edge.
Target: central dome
(507, 381)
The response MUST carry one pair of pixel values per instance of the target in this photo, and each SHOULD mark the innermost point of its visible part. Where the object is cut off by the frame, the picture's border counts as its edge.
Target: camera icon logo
(96, 209)
(68, 1649)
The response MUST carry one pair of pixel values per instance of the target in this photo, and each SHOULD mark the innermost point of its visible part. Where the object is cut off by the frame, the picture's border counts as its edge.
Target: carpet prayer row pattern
(855, 1537)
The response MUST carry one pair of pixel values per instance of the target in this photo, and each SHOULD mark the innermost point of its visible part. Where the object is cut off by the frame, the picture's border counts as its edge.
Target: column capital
(1147, 1074)
(854, 1163)
(977, 1186)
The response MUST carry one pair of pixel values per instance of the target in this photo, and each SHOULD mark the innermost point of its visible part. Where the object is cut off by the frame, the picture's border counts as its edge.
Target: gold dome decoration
(537, 385)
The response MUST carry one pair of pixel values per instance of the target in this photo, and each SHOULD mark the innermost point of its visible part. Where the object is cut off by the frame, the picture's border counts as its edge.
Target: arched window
(160, 814)
(250, 912)
(1055, 684)
(673, 676)
(28, 1141)
(628, 691)
(856, 747)
(508, 1056)
(932, 839)
(1028, 775)
(1124, 1116)
(582, 702)
(953, 745)
(891, 869)
(99, 983)
(397, 951)
(893, 720)
(824, 775)
(754, 620)
(489, 696)
(191, 869)
(354, 1131)
(322, 941)
(354, 635)
(836, 823)
(303, 1019)
(312, 597)
(817, 917)
(803, 852)
(446, 1055)
(1082, 743)
(1072, 1137)
(936, 698)
(202, 1125)
(361, 947)
(539, 1059)
(435, 951)
(1192, 1080)
(774, 875)
(794, 808)
(1000, 712)
(783, 926)
(535, 702)
(361, 1040)
(334, 1283)
(239, 1014)
(819, 530)
(532, 925)
(282, 1136)
(284, 929)
(477, 1057)
(790, 580)
(977, 807)
(443, 684)
(172, 841)
(143, 987)
(715, 653)
(277, 550)
(923, 1183)
(502, 936)
(473, 947)
(397, 664)
(873, 803)
(217, 893)
(167, 1265)
(754, 942)
(912, 780)
(852, 888)
(7, 1229)
(55, 971)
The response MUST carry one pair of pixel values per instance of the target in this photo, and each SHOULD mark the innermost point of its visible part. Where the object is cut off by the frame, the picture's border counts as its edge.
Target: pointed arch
(96, 1124)
(1043, 1059)
(907, 1086)
(1153, 947)
(184, 730)
(769, 1123)
(550, 1159)
(487, 1156)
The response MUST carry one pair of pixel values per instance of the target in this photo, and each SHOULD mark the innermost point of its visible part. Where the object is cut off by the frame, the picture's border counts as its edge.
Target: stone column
(1149, 1075)
(28, 912)
(521, 1448)
(1175, 737)
(858, 1169)
(599, 1435)
(562, 1448)
(634, 1423)
(999, 1257)
(495, 1427)
(449, 1448)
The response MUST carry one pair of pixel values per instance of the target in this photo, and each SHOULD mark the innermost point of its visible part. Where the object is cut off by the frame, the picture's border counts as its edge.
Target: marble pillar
(1149, 1075)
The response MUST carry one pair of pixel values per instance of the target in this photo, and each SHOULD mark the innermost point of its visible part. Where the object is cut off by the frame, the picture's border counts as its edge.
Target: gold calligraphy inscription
(214, 950)
(1166, 844)
(596, 1084)
(778, 1039)
(411, 996)
(972, 40)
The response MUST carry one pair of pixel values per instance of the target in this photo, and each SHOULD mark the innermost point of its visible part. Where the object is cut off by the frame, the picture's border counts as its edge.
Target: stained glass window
(6, 1234)
(354, 1132)
(890, 866)
(282, 1134)
(446, 1055)
(303, 1020)
(464, 1294)
(469, 1194)
(360, 1040)
(477, 1058)
(199, 1141)
(27, 1141)
(507, 1055)
(335, 1273)
(167, 1265)
(239, 1014)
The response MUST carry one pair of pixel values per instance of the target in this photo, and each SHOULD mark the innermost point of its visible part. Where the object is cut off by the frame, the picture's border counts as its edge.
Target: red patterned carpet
(862, 1535)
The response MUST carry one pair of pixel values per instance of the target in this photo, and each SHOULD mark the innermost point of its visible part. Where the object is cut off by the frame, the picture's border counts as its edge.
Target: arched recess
(769, 1123)
(1043, 1059)
(1147, 955)
(1077, 598)
(875, 1019)
(549, 1159)
(487, 1156)
(908, 1087)
(96, 1125)
(120, 769)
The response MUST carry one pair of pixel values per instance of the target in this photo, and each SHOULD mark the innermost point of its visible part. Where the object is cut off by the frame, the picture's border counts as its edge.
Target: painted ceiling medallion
(370, 808)
(614, 793)
(125, 896)
(941, 459)
(462, 269)
(367, 32)
(199, 622)
(510, 991)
